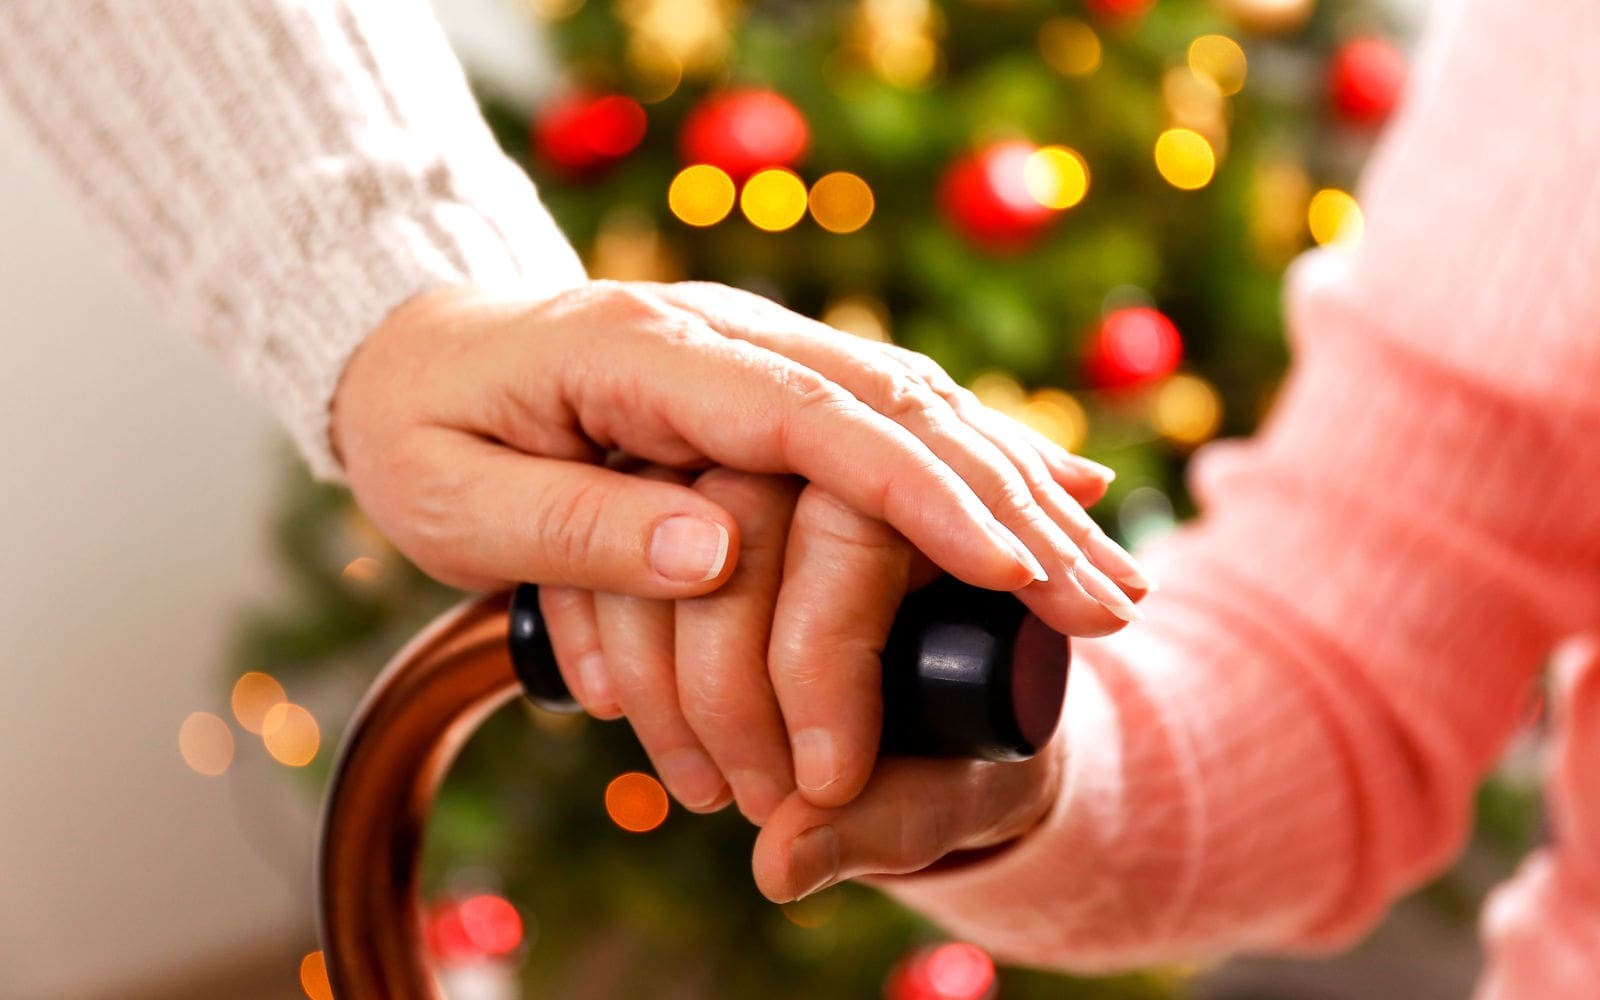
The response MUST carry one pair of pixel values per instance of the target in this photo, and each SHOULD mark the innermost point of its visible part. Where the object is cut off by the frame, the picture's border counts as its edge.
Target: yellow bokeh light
(1186, 410)
(1219, 59)
(314, 977)
(636, 802)
(862, 315)
(701, 195)
(206, 743)
(1056, 177)
(815, 910)
(291, 735)
(1056, 415)
(554, 10)
(657, 73)
(1070, 46)
(774, 199)
(841, 202)
(1185, 159)
(363, 571)
(1334, 216)
(999, 390)
(254, 695)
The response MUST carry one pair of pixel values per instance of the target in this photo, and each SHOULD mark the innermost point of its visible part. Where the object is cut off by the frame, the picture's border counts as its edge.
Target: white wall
(133, 494)
(135, 484)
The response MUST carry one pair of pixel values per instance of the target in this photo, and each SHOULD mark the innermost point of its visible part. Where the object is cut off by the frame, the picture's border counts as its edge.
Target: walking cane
(966, 673)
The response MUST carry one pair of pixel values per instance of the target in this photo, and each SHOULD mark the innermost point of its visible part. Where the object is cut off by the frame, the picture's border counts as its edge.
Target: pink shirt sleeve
(1347, 635)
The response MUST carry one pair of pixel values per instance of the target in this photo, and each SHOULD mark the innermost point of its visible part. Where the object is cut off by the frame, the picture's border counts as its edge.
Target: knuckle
(567, 525)
(820, 514)
(924, 834)
(748, 496)
(901, 395)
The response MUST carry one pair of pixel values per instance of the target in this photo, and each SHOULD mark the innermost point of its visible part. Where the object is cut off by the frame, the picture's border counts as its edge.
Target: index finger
(663, 386)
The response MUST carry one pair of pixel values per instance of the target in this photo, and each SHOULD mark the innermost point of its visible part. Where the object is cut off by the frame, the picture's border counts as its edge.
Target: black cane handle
(967, 672)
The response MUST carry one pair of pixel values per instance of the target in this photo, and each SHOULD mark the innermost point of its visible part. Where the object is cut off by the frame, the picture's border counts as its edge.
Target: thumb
(518, 518)
(914, 813)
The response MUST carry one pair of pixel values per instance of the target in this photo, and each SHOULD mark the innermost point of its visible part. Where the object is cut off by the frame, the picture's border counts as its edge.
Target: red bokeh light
(482, 926)
(1119, 10)
(581, 132)
(985, 197)
(1133, 347)
(1365, 80)
(953, 971)
(743, 131)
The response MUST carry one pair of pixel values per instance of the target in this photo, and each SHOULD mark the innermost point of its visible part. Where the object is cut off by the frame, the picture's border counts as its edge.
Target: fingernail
(694, 780)
(689, 549)
(758, 794)
(592, 671)
(1105, 472)
(1095, 584)
(1003, 535)
(816, 759)
(1116, 562)
(814, 859)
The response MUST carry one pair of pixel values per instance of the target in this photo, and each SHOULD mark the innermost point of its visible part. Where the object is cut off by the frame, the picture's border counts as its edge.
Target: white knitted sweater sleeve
(281, 173)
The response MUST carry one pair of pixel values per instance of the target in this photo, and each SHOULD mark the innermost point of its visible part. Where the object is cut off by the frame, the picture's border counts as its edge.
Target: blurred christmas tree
(1081, 210)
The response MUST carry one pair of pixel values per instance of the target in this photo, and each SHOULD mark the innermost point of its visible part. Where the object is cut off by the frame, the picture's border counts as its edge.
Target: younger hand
(472, 428)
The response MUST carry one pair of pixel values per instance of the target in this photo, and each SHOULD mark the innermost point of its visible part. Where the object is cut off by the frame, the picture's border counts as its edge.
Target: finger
(486, 515)
(1064, 506)
(1082, 599)
(575, 637)
(913, 813)
(664, 386)
(1083, 479)
(721, 645)
(844, 575)
(636, 634)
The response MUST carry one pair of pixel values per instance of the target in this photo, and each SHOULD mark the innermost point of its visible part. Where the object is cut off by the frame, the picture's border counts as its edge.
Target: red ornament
(1365, 80)
(954, 971)
(581, 133)
(1133, 347)
(985, 197)
(470, 930)
(743, 131)
(1119, 10)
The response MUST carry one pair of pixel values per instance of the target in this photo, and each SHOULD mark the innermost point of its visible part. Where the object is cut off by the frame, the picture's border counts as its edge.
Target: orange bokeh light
(254, 695)
(314, 977)
(636, 802)
(291, 735)
(206, 743)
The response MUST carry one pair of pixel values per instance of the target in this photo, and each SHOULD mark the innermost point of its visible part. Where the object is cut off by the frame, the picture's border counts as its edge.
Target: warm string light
(695, 34)
(1056, 177)
(1280, 192)
(1334, 217)
(1185, 159)
(899, 41)
(841, 202)
(815, 910)
(314, 977)
(1221, 60)
(291, 735)
(774, 199)
(254, 695)
(206, 743)
(862, 315)
(1069, 46)
(1186, 410)
(636, 802)
(1058, 416)
(701, 195)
